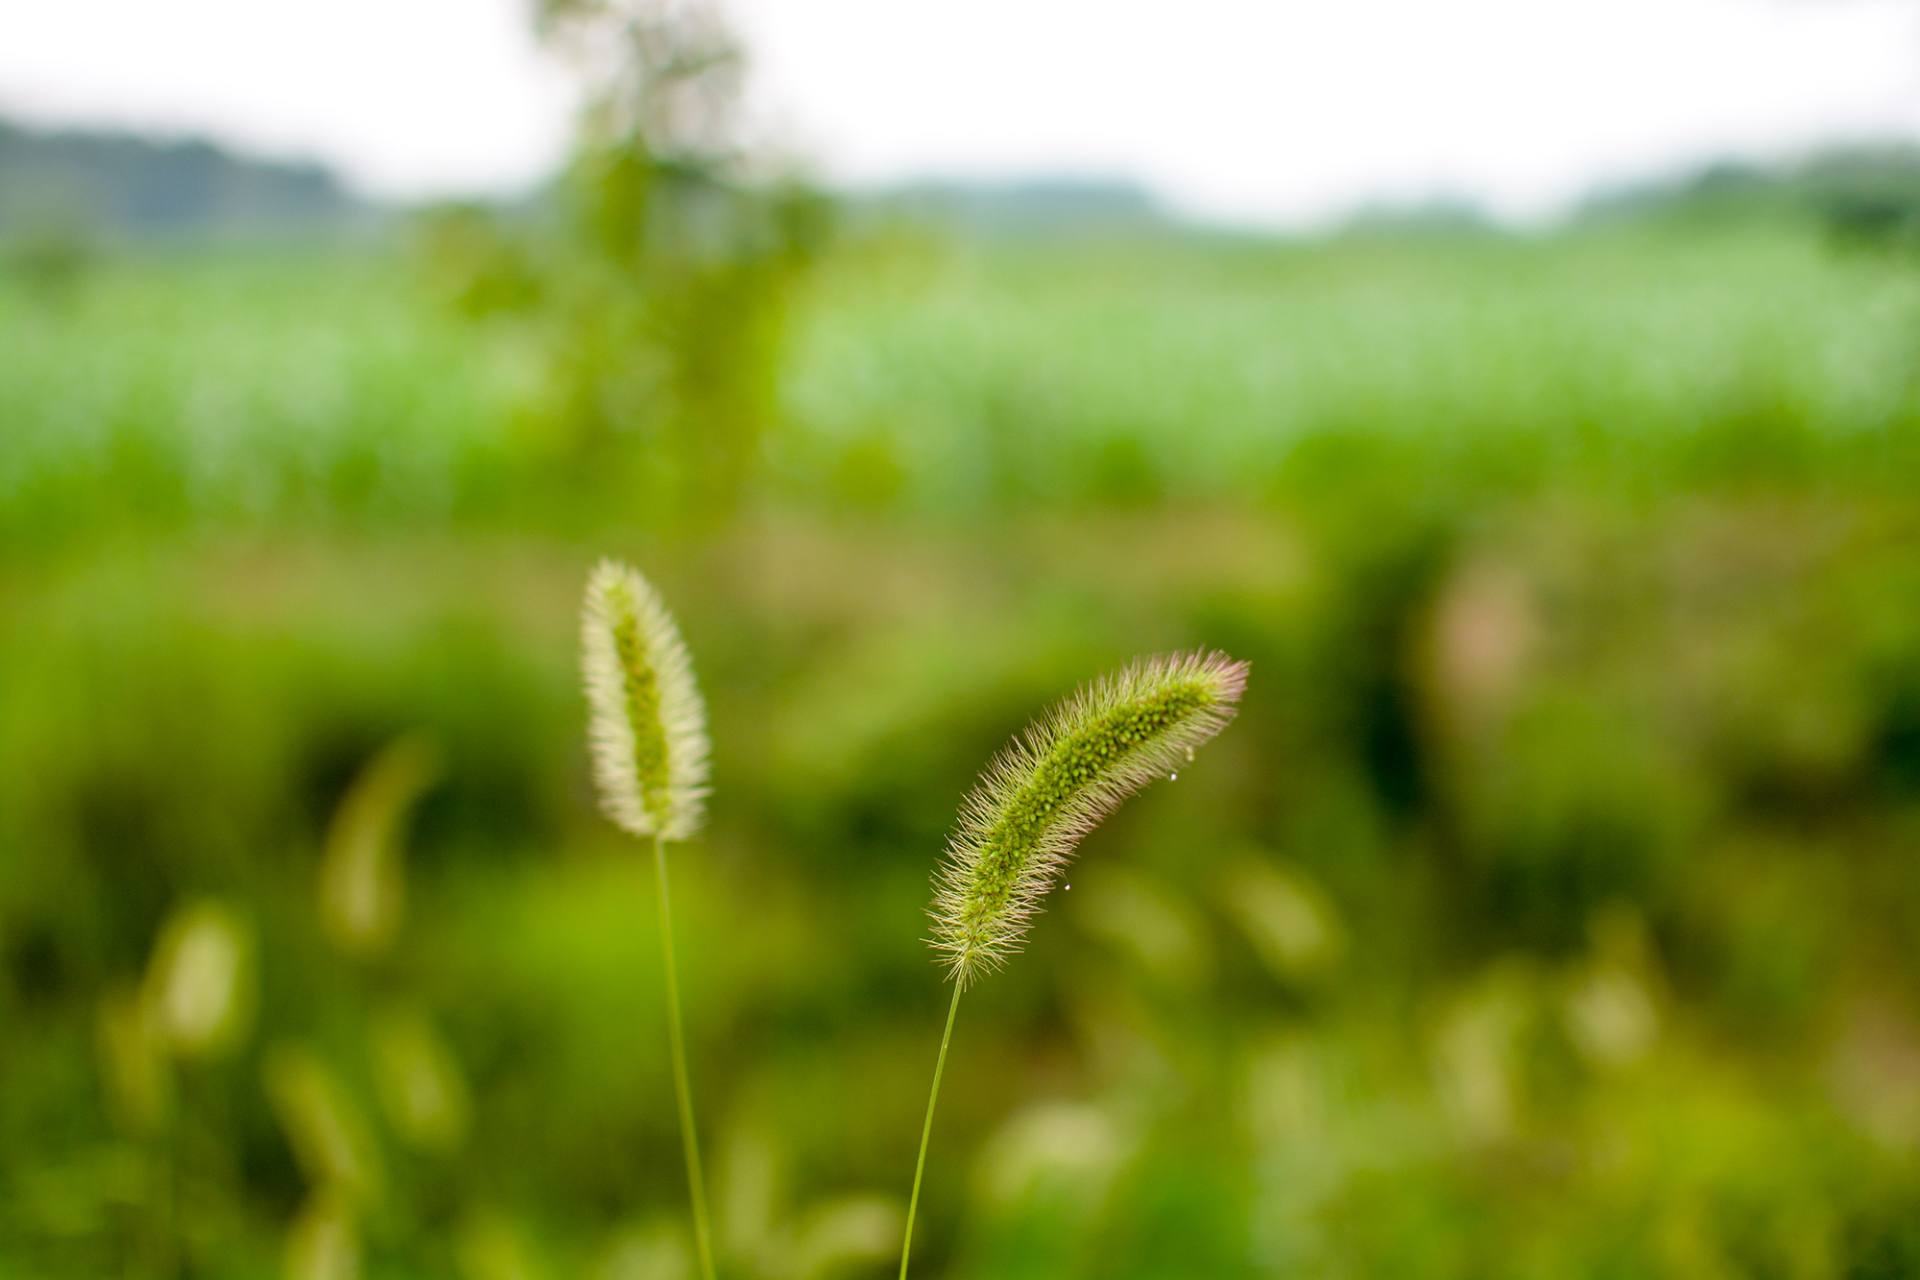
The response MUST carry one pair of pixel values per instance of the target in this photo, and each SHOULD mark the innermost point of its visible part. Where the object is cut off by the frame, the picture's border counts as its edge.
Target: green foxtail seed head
(1053, 784)
(648, 726)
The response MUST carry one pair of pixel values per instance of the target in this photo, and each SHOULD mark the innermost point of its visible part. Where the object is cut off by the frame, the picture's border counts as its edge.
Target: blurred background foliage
(653, 298)
(1550, 912)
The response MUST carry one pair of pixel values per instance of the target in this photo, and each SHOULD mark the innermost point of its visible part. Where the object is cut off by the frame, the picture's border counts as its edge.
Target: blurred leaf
(199, 985)
(1610, 1005)
(324, 1241)
(362, 879)
(848, 1234)
(658, 1252)
(1065, 1151)
(1477, 1048)
(329, 1136)
(749, 1198)
(133, 1061)
(1147, 920)
(492, 1247)
(1290, 922)
(421, 1087)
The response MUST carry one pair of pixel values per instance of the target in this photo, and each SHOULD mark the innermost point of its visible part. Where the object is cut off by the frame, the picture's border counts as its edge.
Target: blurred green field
(929, 378)
(1131, 373)
(1551, 911)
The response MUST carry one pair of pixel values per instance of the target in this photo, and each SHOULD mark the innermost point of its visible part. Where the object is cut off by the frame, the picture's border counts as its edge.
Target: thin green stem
(926, 1129)
(689, 1139)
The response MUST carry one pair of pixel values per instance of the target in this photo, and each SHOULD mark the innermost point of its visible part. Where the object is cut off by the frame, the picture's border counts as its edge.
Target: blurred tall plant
(655, 288)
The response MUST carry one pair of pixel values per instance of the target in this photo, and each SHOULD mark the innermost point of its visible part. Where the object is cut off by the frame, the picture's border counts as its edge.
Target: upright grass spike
(648, 731)
(649, 727)
(1046, 790)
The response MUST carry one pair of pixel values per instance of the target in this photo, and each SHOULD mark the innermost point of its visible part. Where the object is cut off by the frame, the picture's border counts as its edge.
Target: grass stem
(689, 1139)
(926, 1129)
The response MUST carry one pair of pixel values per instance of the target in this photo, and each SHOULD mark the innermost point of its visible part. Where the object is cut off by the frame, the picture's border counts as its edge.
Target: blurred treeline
(1551, 910)
(119, 185)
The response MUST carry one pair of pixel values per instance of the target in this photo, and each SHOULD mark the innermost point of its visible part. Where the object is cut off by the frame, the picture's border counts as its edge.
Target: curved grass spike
(648, 732)
(1046, 790)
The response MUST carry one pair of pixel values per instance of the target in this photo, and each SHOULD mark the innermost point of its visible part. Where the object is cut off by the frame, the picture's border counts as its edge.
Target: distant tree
(658, 289)
(127, 185)
(1863, 196)
(1037, 206)
(1438, 217)
(1868, 197)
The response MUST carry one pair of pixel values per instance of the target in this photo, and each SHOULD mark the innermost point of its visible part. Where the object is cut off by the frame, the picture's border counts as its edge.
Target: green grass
(1144, 372)
(244, 389)
(1577, 579)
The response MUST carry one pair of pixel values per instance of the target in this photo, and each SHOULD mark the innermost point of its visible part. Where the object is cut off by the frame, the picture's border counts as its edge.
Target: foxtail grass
(648, 733)
(1037, 800)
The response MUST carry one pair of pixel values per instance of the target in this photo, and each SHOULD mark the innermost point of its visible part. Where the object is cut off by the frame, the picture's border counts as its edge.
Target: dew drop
(1173, 777)
(1069, 886)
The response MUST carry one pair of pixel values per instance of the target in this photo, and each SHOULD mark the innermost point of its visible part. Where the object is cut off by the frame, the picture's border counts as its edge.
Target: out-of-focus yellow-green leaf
(654, 1252)
(324, 1240)
(199, 984)
(844, 1235)
(1147, 920)
(1071, 1149)
(133, 1060)
(362, 878)
(421, 1086)
(1290, 922)
(492, 1246)
(326, 1129)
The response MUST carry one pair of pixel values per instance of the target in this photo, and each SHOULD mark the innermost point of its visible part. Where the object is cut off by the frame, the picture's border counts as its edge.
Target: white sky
(1280, 110)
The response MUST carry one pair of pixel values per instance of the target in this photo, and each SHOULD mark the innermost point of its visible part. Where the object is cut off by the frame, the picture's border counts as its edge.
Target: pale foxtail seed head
(1054, 783)
(648, 727)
